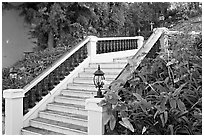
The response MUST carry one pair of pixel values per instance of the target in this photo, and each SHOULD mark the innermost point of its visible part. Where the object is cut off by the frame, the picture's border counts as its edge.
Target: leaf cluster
(163, 96)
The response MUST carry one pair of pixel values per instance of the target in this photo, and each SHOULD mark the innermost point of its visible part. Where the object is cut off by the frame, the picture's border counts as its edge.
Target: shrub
(163, 96)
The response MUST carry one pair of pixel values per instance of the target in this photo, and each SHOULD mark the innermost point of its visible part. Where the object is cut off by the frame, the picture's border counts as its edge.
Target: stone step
(122, 60)
(89, 80)
(81, 86)
(67, 108)
(82, 93)
(78, 100)
(61, 127)
(120, 65)
(105, 70)
(91, 75)
(37, 131)
(64, 117)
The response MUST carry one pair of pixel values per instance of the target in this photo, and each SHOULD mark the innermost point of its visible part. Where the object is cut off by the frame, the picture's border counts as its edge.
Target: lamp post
(13, 75)
(98, 81)
(161, 20)
(151, 26)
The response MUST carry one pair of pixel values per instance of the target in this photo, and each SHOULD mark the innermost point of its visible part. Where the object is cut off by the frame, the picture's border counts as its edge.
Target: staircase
(67, 114)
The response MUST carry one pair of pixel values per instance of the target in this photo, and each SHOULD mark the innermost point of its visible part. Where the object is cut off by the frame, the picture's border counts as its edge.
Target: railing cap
(13, 93)
(93, 38)
(140, 37)
(92, 105)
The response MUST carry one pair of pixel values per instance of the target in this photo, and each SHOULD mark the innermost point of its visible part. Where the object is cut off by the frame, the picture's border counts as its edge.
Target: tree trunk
(51, 39)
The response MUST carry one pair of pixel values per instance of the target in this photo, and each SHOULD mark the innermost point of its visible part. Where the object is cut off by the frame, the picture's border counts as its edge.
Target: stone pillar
(140, 41)
(97, 116)
(13, 111)
(164, 40)
(91, 46)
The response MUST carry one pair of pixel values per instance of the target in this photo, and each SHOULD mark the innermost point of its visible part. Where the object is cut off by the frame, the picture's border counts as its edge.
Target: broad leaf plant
(163, 95)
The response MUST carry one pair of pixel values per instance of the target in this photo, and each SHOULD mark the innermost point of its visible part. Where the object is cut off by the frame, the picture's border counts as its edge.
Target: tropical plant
(163, 96)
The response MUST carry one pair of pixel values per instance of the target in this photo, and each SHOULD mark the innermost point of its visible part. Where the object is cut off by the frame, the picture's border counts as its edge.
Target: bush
(163, 96)
(30, 67)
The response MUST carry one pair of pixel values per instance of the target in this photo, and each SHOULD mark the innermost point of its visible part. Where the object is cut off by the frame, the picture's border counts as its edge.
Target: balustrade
(106, 46)
(46, 82)
(43, 87)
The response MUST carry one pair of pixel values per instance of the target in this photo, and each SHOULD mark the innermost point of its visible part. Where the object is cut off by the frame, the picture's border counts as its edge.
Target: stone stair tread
(62, 124)
(104, 68)
(68, 105)
(91, 78)
(41, 131)
(109, 63)
(81, 84)
(73, 97)
(78, 90)
(124, 58)
(92, 74)
(78, 116)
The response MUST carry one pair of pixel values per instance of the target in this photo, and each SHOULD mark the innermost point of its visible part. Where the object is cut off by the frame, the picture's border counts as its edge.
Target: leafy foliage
(31, 66)
(163, 96)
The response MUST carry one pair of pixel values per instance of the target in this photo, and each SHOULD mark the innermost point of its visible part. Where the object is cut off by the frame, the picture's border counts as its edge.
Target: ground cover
(164, 95)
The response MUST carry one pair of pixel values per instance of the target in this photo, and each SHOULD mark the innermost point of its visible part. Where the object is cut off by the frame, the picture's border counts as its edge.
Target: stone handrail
(23, 101)
(97, 115)
(142, 52)
(54, 65)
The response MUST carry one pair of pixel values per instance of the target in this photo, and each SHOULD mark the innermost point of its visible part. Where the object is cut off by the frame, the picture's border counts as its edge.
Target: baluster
(101, 44)
(116, 45)
(108, 46)
(45, 86)
(105, 45)
(119, 45)
(56, 76)
(127, 44)
(38, 92)
(76, 59)
(31, 98)
(84, 53)
(113, 46)
(124, 45)
(71, 63)
(67, 65)
(134, 44)
(62, 71)
(80, 54)
(97, 47)
(131, 44)
(51, 81)
(25, 103)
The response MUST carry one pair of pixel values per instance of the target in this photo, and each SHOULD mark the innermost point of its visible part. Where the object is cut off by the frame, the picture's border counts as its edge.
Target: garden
(163, 96)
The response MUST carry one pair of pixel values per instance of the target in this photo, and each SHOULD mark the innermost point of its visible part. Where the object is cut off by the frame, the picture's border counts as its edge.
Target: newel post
(164, 40)
(91, 46)
(140, 41)
(97, 116)
(13, 111)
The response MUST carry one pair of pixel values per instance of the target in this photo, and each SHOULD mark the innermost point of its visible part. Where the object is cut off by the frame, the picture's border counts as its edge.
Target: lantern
(13, 75)
(98, 81)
